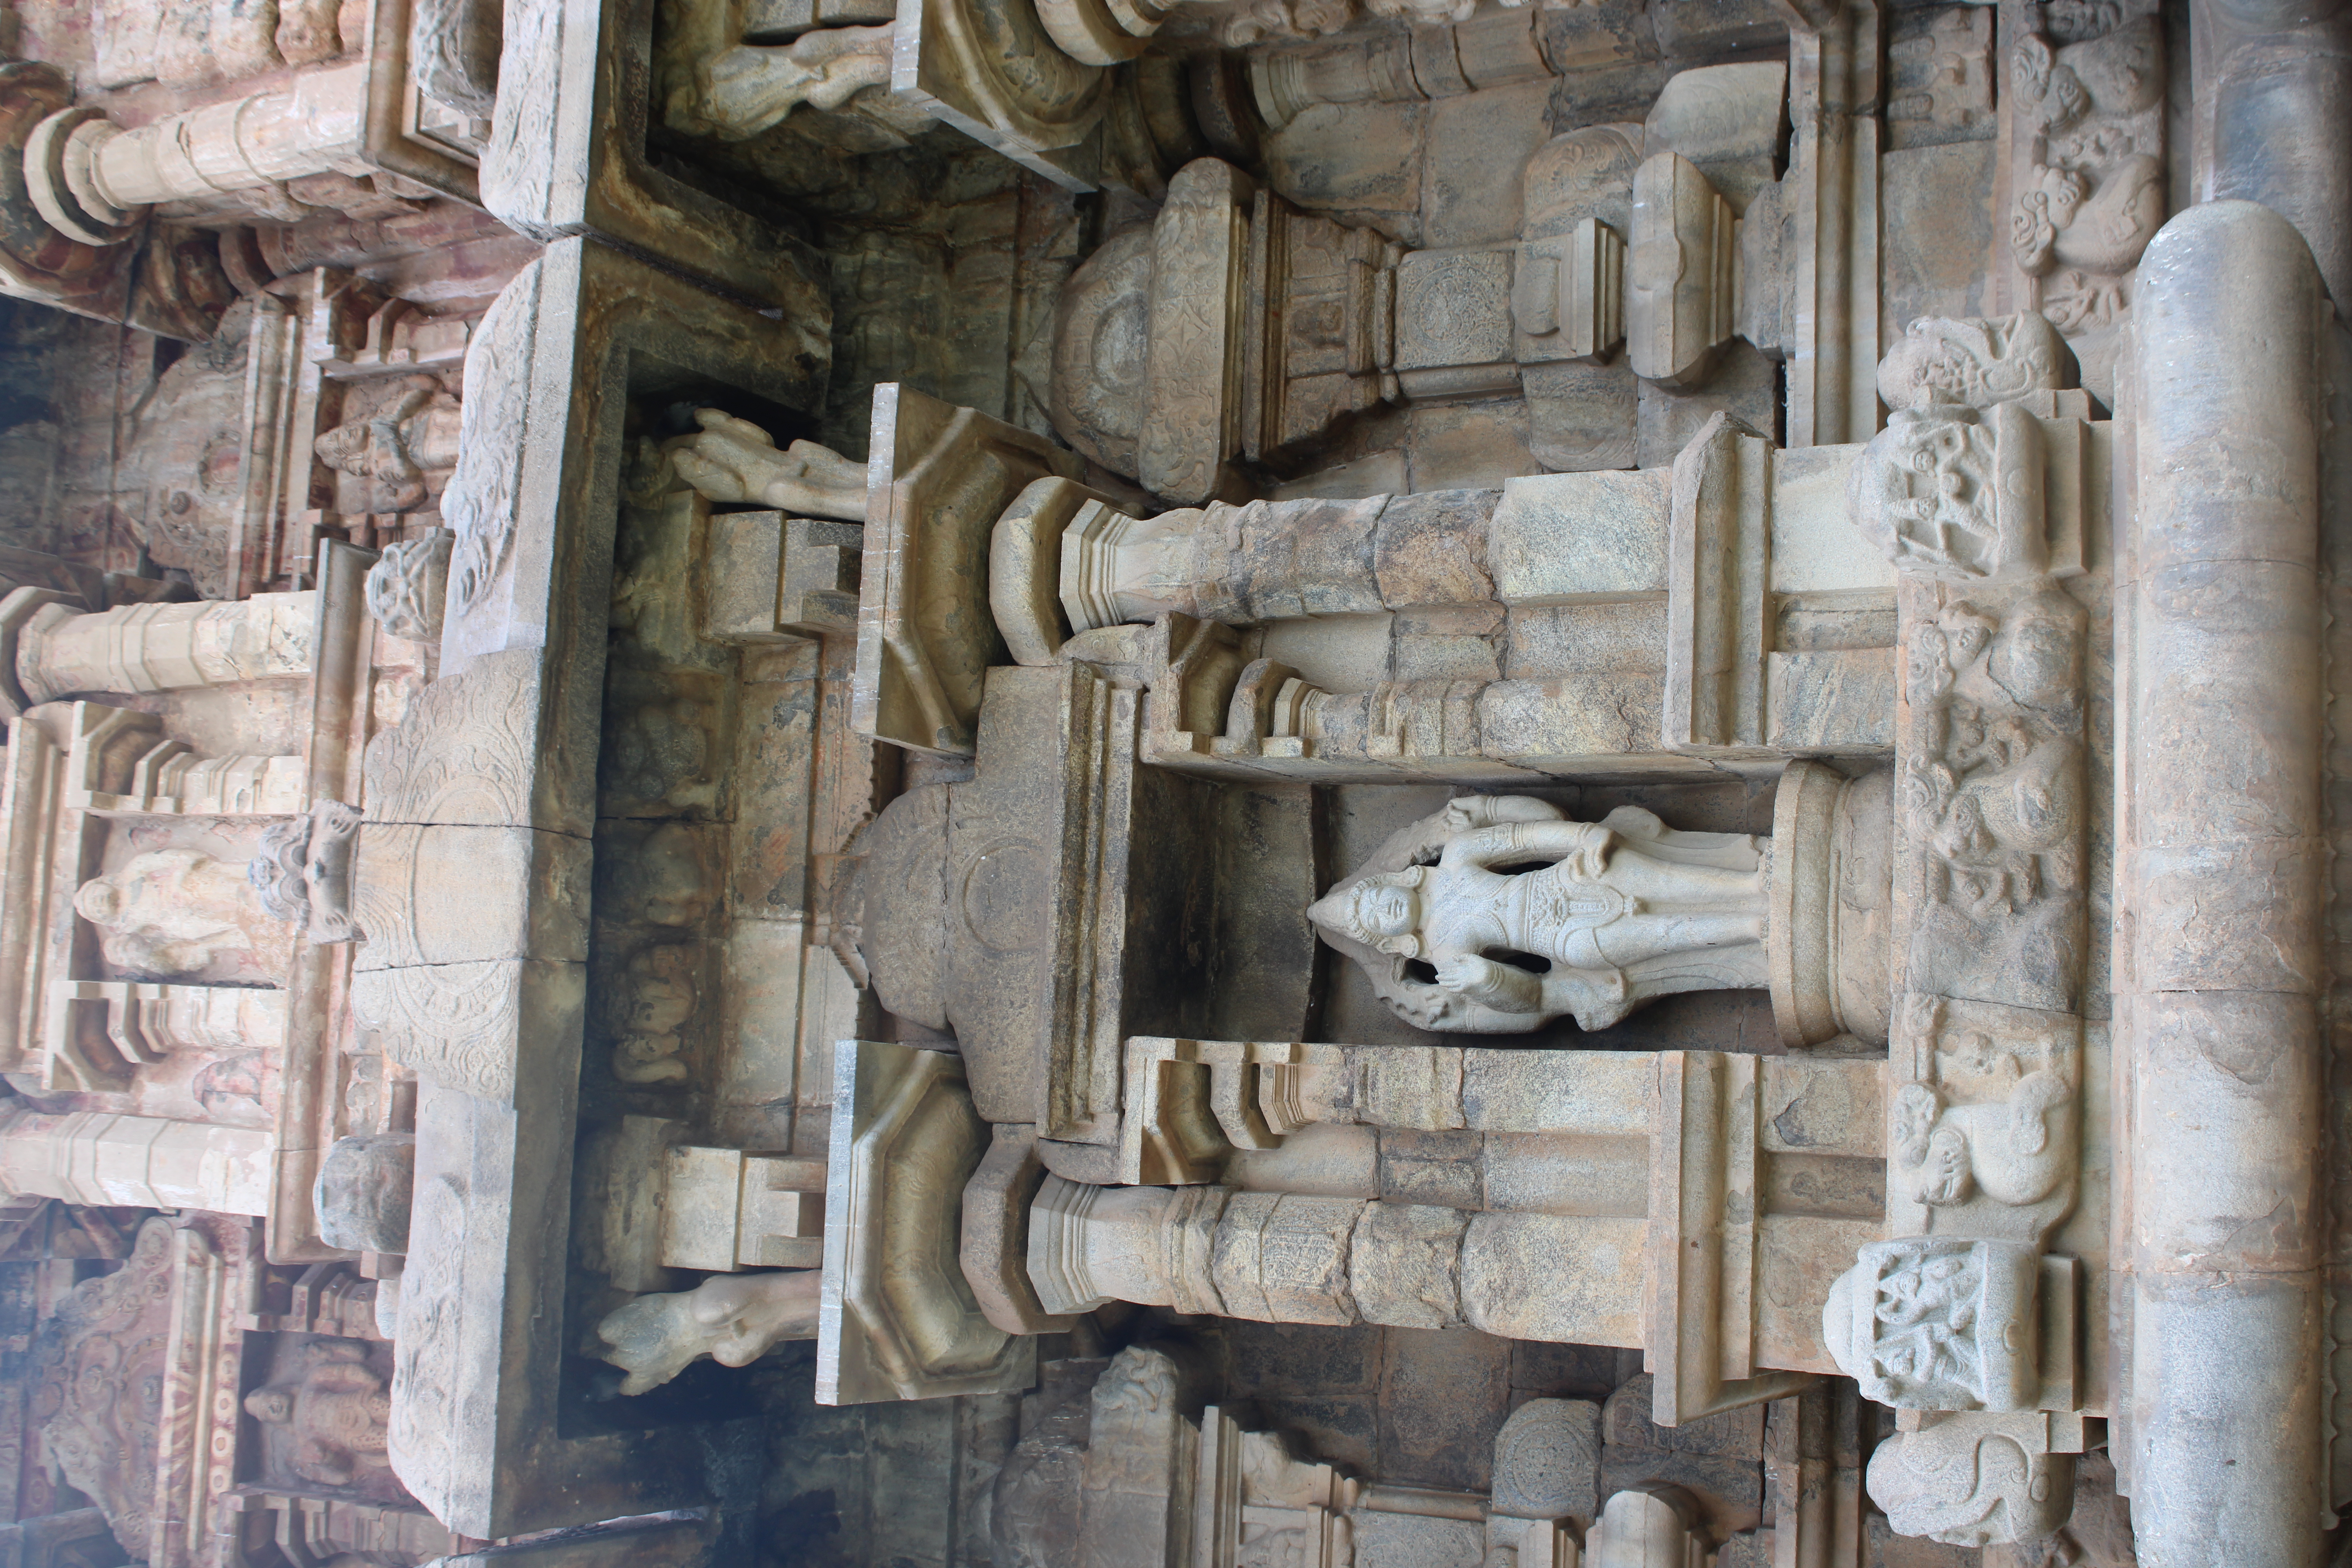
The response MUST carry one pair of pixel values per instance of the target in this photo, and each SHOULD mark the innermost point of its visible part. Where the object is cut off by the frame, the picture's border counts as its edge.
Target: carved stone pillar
(91, 178)
(48, 650)
(142, 1161)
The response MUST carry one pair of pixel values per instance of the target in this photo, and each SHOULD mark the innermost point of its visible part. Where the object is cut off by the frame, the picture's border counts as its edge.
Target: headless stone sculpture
(1617, 913)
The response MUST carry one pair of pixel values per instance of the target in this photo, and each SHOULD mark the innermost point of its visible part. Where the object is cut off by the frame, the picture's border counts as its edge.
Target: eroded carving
(365, 1192)
(335, 1413)
(734, 460)
(734, 1319)
(409, 584)
(413, 430)
(304, 871)
(107, 1364)
(741, 91)
(485, 488)
(180, 912)
(2090, 184)
(1992, 796)
(1926, 1324)
(655, 1002)
(1972, 1481)
(1620, 912)
(1996, 1114)
(1978, 360)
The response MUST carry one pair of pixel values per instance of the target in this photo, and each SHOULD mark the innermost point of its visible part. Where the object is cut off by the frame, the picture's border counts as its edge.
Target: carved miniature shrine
(1174, 783)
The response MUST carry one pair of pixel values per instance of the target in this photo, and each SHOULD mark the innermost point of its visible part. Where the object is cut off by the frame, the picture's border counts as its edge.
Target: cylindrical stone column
(2274, 117)
(2219, 907)
(139, 1162)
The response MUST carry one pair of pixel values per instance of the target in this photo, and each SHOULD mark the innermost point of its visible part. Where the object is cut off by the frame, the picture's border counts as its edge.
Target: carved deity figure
(413, 431)
(1497, 915)
(734, 460)
(177, 911)
(734, 1319)
(337, 1414)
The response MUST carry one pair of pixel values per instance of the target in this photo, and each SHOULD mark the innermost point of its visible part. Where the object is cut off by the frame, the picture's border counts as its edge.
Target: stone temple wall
(1173, 783)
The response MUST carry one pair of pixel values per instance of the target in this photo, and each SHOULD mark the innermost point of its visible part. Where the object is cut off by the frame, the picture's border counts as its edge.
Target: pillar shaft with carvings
(53, 651)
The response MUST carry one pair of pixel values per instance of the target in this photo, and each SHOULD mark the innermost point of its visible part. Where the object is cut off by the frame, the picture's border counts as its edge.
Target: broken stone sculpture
(365, 1187)
(735, 1318)
(1497, 915)
(734, 460)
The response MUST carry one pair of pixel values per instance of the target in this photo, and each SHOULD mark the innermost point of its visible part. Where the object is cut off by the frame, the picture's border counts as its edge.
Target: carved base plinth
(1831, 889)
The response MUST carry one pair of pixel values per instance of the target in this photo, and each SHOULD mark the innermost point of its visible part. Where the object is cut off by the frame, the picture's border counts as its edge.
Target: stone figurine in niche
(413, 430)
(336, 1414)
(734, 1319)
(1497, 915)
(176, 911)
(734, 460)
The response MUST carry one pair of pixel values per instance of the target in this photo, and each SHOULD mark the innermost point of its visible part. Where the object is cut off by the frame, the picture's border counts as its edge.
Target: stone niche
(652, 774)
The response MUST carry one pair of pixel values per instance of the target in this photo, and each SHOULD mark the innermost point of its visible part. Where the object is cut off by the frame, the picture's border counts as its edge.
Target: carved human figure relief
(412, 431)
(734, 460)
(1497, 915)
(178, 911)
(734, 1319)
(338, 1413)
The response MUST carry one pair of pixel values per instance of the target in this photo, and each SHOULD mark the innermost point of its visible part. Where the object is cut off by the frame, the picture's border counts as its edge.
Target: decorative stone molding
(941, 478)
(408, 584)
(898, 1319)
